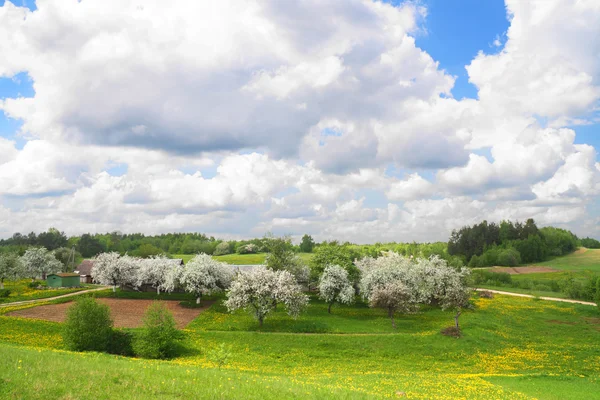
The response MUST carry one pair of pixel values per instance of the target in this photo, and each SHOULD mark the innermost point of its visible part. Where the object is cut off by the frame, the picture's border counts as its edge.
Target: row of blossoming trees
(392, 282)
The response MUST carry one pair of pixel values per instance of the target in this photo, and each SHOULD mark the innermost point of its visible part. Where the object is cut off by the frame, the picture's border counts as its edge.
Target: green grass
(21, 292)
(512, 348)
(241, 259)
(587, 260)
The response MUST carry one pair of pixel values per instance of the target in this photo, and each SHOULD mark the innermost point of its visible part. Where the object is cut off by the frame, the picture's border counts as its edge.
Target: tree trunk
(198, 300)
(260, 321)
(329, 308)
(1, 284)
(114, 288)
(157, 290)
(456, 319)
(43, 276)
(391, 315)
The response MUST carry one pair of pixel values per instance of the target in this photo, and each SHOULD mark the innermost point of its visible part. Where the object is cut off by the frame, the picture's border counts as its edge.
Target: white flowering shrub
(154, 271)
(115, 270)
(39, 262)
(203, 275)
(456, 294)
(259, 291)
(335, 286)
(393, 296)
(10, 267)
(399, 284)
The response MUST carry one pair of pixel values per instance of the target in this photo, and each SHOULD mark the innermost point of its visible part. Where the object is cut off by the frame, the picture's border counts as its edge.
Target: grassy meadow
(579, 266)
(20, 291)
(512, 348)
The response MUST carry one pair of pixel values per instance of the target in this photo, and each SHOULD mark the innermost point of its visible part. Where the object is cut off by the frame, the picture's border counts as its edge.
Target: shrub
(219, 355)
(159, 334)
(88, 326)
(481, 276)
(222, 249)
(36, 284)
(4, 293)
(121, 343)
(509, 257)
(249, 248)
(486, 294)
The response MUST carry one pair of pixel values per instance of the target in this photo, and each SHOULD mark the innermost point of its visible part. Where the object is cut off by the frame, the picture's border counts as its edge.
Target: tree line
(511, 243)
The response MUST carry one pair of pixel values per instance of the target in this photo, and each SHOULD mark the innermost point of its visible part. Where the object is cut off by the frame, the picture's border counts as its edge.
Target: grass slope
(512, 348)
(581, 260)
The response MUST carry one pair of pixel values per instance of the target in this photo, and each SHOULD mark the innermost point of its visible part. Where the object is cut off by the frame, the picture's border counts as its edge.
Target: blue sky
(293, 134)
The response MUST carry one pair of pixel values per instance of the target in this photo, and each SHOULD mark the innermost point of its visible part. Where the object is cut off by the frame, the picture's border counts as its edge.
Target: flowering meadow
(511, 348)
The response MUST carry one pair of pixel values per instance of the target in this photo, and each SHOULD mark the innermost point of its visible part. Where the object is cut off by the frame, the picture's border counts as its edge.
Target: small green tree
(159, 334)
(307, 244)
(88, 326)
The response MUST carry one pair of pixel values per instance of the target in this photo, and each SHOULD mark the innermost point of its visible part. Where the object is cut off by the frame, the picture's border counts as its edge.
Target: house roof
(65, 274)
(85, 268)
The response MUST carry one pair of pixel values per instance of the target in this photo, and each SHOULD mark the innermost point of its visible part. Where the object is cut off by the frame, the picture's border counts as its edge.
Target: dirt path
(587, 303)
(16, 303)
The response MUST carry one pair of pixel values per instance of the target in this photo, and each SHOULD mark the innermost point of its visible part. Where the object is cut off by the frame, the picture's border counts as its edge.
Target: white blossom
(155, 271)
(398, 283)
(116, 270)
(10, 267)
(203, 275)
(335, 286)
(39, 262)
(261, 289)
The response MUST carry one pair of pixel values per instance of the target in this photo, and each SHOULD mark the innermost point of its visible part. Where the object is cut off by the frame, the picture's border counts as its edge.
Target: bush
(509, 257)
(219, 355)
(121, 343)
(249, 248)
(159, 334)
(36, 284)
(4, 293)
(486, 294)
(88, 326)
(481, 276)
(222, 249)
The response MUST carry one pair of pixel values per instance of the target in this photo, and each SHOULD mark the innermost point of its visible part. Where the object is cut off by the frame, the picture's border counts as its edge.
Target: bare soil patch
(126, 313)
(556, 321)
(535, 269)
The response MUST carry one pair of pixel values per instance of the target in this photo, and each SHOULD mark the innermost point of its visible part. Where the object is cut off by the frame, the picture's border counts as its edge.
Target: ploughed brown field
(523, 270)
(124, 312)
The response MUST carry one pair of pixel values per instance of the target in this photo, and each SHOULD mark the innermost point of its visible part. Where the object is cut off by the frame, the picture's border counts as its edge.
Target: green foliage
(4, 293)
(508, 257)
(67, 257)
(510, 243)
(88, 326)
(222, 249)
(36, 284)
(307, 244)
(481, 276)
(89, 246)
(334, 254)
(531, 249)
(147, 250)
(219, 355)
(121, 343)
(590, 243)
(158, 336)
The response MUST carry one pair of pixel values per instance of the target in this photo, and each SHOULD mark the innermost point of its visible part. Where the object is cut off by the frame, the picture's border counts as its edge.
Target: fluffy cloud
(237, 118)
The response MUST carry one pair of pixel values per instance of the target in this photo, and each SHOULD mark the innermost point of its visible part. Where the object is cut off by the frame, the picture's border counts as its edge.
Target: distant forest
(484, 244)
(508, 244)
